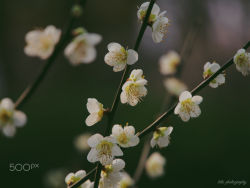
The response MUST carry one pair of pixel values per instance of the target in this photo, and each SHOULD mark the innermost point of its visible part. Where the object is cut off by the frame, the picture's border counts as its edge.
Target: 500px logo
(25, 167)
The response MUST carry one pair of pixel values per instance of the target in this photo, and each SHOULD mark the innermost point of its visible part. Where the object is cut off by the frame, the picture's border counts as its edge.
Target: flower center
(100, 113)
(45, 42)
(133, 92)
(72, 180)
(123, 138)
(105, 148)
(107, 170)
(163, 28)
(241, 60)
(207, 73)
(159, 133)
(5, 116)
(187, 105)
(152, 17)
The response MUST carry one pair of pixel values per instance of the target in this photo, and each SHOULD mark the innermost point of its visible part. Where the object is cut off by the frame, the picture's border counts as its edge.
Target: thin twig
(29, 91)
(113, 109)
(203, 84)
(142, 160)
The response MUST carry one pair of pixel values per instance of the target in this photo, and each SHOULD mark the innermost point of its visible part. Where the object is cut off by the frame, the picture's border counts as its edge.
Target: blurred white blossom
(72, 178)
(118, 57)
(210, 69)
(111, 175)
(125, 137)
(174, 86)
(41, 42)
(81, 142)
(242, 61)
(155, 165)
(134, 88)
(10, 118)
(81, 50)
(188, 106)
(161, 137)
(141, 13)
(55, 178)
(126, 181)
(96, 111)
(169, 62)
(103, 149)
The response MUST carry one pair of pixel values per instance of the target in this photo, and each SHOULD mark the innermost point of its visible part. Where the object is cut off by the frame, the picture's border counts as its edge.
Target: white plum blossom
(169, 62)
(103, 149)
(125, 137)
(210, 69)
(118, 57)
(174, 86)
(155, 165)
(10, 118)
(161, 137)
(72, 178)
(126, 181)
(111, 174)
(81, 142)
(96, 111)
(41, 42)
(188, 106)
(134, 88)
(242, 61)
(141, 13)
(82, 48)
(160, 28)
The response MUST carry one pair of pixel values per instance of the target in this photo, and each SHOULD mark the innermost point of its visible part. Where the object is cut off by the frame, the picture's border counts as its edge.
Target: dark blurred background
(213, 147)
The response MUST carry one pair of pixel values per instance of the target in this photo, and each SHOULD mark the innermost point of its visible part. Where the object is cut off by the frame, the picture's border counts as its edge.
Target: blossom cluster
(108, 149)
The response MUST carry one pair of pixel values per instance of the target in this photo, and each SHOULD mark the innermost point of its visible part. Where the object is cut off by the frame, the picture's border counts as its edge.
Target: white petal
(184, 116)
(92, 119)
(7, 104)
(213, 85)
(19, 118)
(177, 108)
(68, 177)
(136, 74)
(116, 151)
(163, 142)
(117, 130)
(80, 173)
(185, 95)
(9, 130)
(132, 57)
(220, 79)
(157, 36)
(89, 56)
(152, 142)
(207, 66)
(93, 105)
(92, 155)
(113, 46)
(196, 111)
(93, 38)
(134, 140)
(129, 130)
(94, 140)
(197, 99)
(214, 67)
(119, 67)
(169, 130)
(118, 165)
(123, 98)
